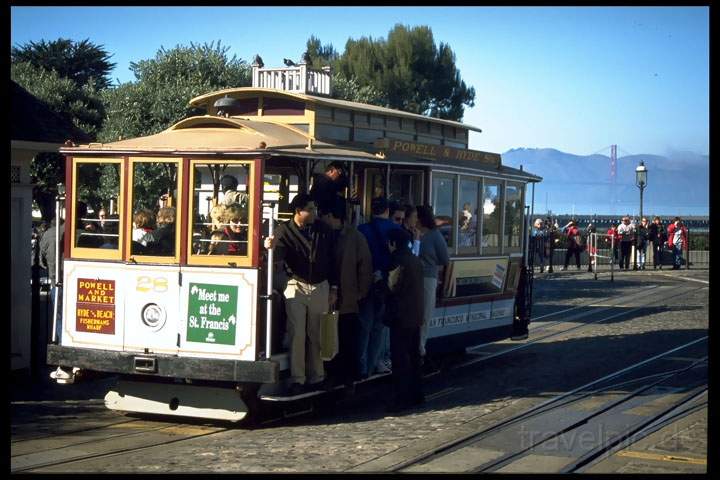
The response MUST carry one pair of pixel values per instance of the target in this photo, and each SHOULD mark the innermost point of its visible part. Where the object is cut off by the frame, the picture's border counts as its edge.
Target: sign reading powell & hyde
(438, 151)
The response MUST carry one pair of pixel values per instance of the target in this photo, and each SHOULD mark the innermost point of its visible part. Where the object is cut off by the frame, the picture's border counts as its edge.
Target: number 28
(146, 284)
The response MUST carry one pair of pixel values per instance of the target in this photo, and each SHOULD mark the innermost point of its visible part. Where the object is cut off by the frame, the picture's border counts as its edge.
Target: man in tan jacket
(353, 264)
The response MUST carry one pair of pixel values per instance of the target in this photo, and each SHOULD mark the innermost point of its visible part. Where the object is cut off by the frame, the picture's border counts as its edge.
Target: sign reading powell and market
(212, 313)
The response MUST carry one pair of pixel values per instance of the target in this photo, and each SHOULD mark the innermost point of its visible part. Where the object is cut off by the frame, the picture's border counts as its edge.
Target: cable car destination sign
(438, 152)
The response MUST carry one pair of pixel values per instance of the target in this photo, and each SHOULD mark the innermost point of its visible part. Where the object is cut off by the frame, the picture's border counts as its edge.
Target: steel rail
(537, 340)
(474, 436)
(509, 458)
(637, 432)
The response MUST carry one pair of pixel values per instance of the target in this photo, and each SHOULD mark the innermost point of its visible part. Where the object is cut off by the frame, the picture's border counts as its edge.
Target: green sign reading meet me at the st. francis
(212, 313)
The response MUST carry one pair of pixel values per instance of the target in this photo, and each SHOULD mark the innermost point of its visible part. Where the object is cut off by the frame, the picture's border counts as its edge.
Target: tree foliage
(67, 76)
(82, 62)
(408, 71)
(320, 55)
(81, 104)
(164, 84)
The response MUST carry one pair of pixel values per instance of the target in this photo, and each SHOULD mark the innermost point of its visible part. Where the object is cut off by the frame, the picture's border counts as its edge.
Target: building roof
(34, 121)
(209, 98)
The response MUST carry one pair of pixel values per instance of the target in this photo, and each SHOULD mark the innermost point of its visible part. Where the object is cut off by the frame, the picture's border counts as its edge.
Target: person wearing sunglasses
(236, 230)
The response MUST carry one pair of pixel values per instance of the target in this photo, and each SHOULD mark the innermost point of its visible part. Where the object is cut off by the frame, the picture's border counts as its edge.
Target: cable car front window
(154, 209)
(220, 209)
(97, 202)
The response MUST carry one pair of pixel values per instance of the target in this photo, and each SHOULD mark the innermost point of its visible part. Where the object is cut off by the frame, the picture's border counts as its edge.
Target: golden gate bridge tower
(613, 177)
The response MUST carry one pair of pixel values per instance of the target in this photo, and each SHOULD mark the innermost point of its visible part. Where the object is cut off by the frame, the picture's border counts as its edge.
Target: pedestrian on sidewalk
(539, 237)
(626, 233)
(658, 237)
(677, 240)
(642, 241)
(574, 243)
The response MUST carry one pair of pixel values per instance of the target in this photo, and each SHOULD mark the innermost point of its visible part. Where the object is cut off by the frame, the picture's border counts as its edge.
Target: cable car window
(492, 209)
(281, 188)
(154, 208)
(443, 203)
(468, 218)
(221, 202)
(97, 204)
(406, 187)
(513, 217)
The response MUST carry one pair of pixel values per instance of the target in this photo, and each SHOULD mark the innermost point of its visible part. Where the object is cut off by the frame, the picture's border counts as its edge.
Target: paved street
(646, 313)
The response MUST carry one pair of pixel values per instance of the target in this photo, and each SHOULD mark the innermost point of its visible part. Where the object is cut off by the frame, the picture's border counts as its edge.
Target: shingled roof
(33, 120)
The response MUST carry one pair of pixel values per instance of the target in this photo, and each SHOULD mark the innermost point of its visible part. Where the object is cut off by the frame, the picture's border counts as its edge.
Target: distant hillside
(677, 185)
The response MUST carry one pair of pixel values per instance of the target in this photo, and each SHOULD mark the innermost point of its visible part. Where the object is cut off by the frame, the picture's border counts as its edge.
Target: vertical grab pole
(57, 267)
(270, 267)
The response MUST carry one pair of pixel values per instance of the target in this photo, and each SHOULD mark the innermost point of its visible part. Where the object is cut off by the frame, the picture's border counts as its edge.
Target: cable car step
(280, 396)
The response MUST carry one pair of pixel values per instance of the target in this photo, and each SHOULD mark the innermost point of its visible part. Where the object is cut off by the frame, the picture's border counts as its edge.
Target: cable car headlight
(153, 316)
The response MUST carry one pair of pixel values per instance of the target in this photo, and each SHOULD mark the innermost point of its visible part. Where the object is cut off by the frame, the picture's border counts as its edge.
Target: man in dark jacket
(656, 235)
(327, 188)
(372, 336)
(353, 266)
(307, 246)
(405, 316)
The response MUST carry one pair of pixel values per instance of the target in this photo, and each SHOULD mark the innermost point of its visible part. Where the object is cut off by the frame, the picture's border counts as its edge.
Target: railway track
(558, 423)
(112, 435)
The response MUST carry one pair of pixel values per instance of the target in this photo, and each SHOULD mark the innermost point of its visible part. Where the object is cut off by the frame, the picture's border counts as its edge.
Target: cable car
(165, 278)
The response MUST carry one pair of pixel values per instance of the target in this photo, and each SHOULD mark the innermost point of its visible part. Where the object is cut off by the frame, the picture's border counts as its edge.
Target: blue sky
(575, 79)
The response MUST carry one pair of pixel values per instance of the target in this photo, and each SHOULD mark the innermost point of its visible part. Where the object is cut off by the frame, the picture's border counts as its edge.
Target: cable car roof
(208, 99)
(213, 134)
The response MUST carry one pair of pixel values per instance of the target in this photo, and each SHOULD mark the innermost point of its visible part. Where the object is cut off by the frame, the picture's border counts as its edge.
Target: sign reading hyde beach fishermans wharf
(439, 152)
(95, 306)
(212, 313)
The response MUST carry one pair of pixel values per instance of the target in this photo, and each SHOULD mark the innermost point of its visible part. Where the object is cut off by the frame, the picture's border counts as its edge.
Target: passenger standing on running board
(404, 317)
(354, 270)
(372, 307)
(433, 255)
(410, 227)
(307, 247)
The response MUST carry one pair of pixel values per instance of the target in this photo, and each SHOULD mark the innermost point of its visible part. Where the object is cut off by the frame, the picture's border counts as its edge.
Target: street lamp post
(641, 182)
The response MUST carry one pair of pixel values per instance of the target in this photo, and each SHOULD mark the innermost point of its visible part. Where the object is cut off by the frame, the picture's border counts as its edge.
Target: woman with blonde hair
(235, 230)
(162, 242)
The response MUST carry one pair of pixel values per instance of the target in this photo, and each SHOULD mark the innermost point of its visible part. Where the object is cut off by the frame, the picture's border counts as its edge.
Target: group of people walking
(545, 237)
(381, 277)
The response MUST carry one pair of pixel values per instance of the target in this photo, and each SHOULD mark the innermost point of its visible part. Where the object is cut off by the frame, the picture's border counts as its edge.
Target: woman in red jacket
(573, 246)
(677, 240)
